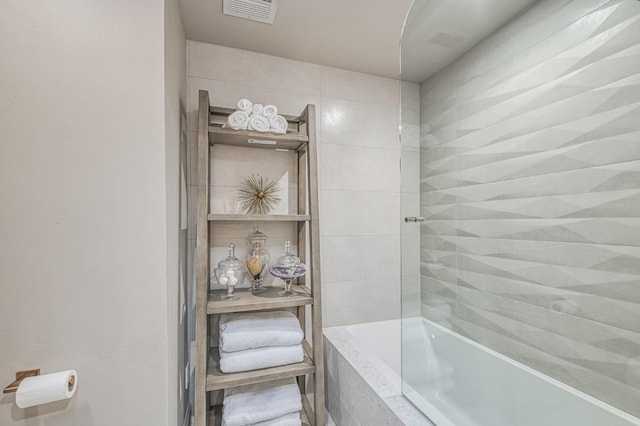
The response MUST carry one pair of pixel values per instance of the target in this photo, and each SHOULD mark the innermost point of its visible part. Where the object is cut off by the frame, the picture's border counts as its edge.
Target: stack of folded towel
(253, 340)
(256, 117)
(265, 404)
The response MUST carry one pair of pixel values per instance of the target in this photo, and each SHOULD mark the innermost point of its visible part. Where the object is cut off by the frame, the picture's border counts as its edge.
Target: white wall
(359, 150)
(83, 222)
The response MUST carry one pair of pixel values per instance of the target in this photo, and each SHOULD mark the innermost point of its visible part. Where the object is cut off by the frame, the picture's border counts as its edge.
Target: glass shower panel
(523, 280)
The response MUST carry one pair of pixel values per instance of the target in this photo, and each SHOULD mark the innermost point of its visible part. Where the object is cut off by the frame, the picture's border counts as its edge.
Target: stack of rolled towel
(254, 340)
(256, 117)
(265, 404)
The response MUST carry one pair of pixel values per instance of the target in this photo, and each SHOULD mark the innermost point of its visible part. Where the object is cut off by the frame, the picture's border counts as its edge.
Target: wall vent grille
(255, 10)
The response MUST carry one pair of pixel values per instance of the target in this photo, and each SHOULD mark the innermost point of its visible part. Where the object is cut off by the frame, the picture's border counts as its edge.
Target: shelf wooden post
(316, 308)
(202, 263)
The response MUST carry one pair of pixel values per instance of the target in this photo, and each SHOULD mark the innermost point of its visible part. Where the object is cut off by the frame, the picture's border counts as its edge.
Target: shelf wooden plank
(248, 301)
(219, 380)
(259, 217)
(225, 136)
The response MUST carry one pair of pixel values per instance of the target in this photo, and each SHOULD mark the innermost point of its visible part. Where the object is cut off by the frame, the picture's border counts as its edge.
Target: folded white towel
(251, 330)
(251, 404)
(258, 123)
(269, 110)
(237, 120)
(254, 359)
(292, 419)
(244, 105)
(278, 124)
(257, 109)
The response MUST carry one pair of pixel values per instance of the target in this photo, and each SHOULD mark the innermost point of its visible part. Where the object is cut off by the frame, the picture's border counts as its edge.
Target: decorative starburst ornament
(258, 194)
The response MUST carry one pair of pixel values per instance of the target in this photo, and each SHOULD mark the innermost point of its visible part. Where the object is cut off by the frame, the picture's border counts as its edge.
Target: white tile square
(352, 302)
(359, 169)
(360, 213)
(356, 123)
(354, 257)
(339, 83)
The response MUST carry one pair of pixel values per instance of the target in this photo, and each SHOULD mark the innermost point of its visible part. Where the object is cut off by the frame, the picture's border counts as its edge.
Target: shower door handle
(414, 219)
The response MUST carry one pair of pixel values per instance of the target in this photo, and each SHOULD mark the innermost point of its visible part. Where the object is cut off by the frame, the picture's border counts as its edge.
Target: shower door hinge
(414, 219)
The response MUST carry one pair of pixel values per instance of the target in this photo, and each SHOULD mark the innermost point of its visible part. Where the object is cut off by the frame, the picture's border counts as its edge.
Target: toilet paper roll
(46, 388)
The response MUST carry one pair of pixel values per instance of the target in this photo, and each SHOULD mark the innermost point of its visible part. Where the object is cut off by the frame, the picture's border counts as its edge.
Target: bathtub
(451, 379)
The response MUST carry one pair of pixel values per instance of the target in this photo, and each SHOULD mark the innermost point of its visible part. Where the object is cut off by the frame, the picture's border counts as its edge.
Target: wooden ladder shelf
(300, 140)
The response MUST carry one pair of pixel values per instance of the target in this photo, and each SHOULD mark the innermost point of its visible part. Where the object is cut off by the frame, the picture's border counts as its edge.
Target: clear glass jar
(257, 260)
(288, 267)
(230, 272)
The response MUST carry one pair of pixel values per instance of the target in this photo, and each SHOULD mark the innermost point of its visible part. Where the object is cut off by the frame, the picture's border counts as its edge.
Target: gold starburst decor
(258, 194)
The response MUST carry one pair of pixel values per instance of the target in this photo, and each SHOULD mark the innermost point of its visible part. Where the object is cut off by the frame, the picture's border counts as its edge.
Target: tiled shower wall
(359, 157)
(530, 183)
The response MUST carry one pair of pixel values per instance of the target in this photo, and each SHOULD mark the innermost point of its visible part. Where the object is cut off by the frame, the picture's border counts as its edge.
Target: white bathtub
(453, 380)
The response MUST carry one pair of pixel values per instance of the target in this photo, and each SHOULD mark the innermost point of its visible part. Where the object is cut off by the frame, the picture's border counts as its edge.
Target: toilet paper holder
(20, 376)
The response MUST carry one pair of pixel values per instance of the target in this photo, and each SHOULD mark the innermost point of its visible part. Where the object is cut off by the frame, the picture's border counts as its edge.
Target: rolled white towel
(254, 359)
(237, 120)
(269, 110)
(240, 331)
(257, 109)
(245, 105)
(278, 124)
(251, 404)
(258, 123)
(292, 419)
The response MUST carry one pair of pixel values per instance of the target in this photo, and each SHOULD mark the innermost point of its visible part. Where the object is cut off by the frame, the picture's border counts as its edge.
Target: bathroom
(95, 246)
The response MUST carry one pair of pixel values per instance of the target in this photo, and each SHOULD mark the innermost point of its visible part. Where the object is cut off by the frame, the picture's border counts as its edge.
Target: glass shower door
(523, 157)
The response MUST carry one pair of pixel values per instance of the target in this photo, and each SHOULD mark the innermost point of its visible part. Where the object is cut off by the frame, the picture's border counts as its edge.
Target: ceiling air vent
(255, 10)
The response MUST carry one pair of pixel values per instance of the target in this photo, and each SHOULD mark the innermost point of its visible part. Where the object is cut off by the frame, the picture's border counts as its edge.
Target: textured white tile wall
(531, 188)
(359, 167)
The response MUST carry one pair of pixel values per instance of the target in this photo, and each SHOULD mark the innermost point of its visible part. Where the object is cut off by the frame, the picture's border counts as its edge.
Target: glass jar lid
(288, 265)
(230, 271)
(257, 237)
(231, 261)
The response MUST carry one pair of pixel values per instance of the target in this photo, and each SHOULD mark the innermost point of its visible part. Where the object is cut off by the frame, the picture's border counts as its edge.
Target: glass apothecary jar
(288, 267)
(257, 259)
(230, 272)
